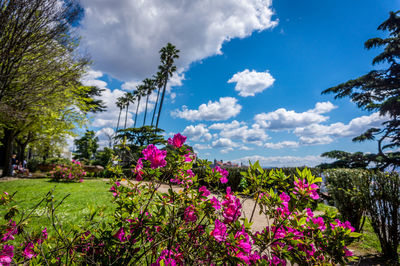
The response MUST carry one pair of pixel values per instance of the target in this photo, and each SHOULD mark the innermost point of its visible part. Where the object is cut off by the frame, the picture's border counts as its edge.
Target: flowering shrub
(73, 172)
(188, 225)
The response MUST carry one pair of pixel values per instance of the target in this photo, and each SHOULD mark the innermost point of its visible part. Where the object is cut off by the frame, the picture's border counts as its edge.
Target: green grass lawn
(91, 194)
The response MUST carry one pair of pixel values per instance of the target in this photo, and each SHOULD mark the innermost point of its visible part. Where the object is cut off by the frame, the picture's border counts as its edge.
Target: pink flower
(155, 156)
(28, 251)
(117, 183)
(215, 202)
(138, 170)
(120, 235)
(204, 190)
(219, 231)
(319, 221)
(345, 225)
(177, 141)
(190, 214)
(310, 190)
(6, 255)
(232, 207)
(347, 252)
(224, 173)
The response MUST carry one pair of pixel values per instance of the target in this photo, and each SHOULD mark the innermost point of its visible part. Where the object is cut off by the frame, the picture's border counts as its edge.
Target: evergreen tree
(86, 147)
(379, 90)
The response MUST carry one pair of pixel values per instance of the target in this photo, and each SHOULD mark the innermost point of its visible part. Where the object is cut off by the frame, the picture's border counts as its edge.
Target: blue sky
(250, 74)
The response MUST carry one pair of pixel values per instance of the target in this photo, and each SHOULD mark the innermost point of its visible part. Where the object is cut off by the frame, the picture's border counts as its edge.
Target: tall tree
(379, 90)
(121, 105)
(39, 67)
(149, 87)
(129, 98)
(86, 146)
(159, 81)
(138, 95)
(168, 54)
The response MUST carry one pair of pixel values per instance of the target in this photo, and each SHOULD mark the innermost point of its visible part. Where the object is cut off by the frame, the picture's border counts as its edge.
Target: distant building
(225, 165)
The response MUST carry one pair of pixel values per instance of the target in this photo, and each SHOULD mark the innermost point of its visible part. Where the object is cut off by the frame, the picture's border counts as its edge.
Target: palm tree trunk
(145, 111)
(119, 116)
(155, 107)
(126, 114)
(137, 109)
(162, 100)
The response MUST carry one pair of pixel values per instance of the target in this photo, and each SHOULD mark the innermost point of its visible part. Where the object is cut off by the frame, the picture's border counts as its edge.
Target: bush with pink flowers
(187, 225)
(72, 172)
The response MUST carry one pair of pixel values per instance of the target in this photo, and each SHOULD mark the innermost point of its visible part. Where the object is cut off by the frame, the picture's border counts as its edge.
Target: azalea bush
(72, 172)
(186, 224)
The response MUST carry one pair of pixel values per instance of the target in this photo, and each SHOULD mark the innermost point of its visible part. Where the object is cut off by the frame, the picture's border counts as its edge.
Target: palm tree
(159, 81)
(168, 54)
(139, 92)
(149, 86)
(129, 98)
(121, 105)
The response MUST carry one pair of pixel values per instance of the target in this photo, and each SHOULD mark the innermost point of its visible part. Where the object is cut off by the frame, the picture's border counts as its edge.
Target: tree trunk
(155, 107)
(9, 136)
(126, 115)
(137, 109)
(145, 111)
(162, 100)
(119, 116)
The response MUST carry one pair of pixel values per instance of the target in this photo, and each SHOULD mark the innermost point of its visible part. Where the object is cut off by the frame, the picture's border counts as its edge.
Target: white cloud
(224, 143)
(284, 161)
(248, 83)
(282, 119)
(201, 146)
(197, 133)
(124, 37)
(224, 109)
(282, 144)
(354, 128)
(254, 135)
(315, 140)
(231, 125)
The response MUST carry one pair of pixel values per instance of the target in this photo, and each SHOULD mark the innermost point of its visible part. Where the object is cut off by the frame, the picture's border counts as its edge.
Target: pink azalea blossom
(219, 231)
(177, 141)
(224, 173)
(120, 235)
(310, 190)
(320, 222)
(215, 202)
(28, 251)
(138, 170)
(204, 190)
(155, 156)
(232, 206)
(6, 255)
(347, 252)
(190, 214)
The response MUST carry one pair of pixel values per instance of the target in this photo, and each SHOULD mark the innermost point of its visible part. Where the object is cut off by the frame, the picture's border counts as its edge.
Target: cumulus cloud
(282, 119)
(248, 83)
(124, 37)
(197, 133)
(223, 109)
(354, 128)
(284, 161)
(224, 143)
(282, 145)
(201, 146)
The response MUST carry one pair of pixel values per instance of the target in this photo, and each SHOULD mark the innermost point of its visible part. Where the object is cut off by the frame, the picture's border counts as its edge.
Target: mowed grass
(83, 197)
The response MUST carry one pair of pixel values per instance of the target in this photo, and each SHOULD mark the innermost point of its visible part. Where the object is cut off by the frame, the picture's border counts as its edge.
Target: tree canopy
(379, 90)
